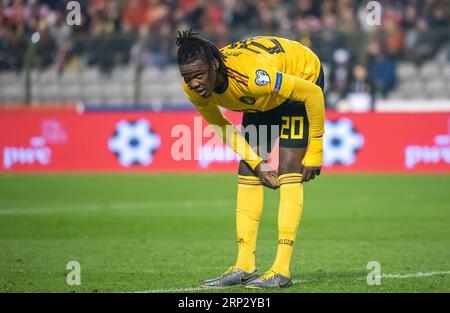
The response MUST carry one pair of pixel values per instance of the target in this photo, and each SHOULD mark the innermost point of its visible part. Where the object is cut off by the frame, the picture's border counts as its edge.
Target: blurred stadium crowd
(129, 42)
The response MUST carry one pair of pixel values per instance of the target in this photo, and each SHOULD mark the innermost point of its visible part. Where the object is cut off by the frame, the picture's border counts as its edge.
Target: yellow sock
(289, 215)
(250, 199)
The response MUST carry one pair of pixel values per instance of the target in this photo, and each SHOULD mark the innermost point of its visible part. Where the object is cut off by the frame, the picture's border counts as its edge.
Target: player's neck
(221, 82)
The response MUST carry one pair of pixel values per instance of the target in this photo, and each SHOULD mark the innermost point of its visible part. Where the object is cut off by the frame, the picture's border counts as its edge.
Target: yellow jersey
(262, 72)
(255, 69)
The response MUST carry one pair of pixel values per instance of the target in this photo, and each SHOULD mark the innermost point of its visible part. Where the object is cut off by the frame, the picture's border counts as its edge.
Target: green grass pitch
(155, 232)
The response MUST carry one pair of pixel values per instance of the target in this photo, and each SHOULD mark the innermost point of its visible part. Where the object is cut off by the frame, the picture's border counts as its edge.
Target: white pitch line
(175, 290)
(113, 206)
(420, 274)
(388, 276)
(199, 288)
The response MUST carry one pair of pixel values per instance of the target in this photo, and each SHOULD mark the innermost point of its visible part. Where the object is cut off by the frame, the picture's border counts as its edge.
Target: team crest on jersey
(248, 100)
(262, 78)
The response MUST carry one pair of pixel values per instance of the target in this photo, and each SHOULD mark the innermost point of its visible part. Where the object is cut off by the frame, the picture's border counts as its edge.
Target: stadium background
(106, 96)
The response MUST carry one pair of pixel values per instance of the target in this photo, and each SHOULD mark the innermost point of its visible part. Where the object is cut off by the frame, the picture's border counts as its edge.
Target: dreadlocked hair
(191, 47)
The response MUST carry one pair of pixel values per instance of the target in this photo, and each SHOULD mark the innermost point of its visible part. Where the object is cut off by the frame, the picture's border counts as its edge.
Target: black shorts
(290, 123)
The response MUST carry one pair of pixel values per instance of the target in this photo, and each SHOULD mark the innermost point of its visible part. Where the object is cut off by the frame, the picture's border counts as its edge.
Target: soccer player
(274, 81)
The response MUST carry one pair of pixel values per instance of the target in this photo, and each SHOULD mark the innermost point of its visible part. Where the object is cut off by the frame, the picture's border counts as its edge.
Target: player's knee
(245, 169)
(288, 169)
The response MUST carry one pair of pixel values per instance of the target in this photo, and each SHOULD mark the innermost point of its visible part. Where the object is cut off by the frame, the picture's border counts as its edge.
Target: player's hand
(312, 162)
(310, 172)
(268, 176)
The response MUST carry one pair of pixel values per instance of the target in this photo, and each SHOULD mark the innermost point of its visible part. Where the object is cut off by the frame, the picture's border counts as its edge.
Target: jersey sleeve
(268, 80)
(312, 95)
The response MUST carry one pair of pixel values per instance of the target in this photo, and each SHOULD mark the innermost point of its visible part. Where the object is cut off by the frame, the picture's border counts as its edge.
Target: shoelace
(268, 275)
(228, 271)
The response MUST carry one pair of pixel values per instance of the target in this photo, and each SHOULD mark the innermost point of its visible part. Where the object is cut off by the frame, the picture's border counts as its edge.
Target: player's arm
(224, 128)
(229, 133)
(233, 138)
(297, 89)
(312, 95)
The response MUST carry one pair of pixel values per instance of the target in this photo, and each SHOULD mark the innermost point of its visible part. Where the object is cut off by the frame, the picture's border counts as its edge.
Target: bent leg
(290, 208)
(250, 201)
(250, 193)
(250, 197)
